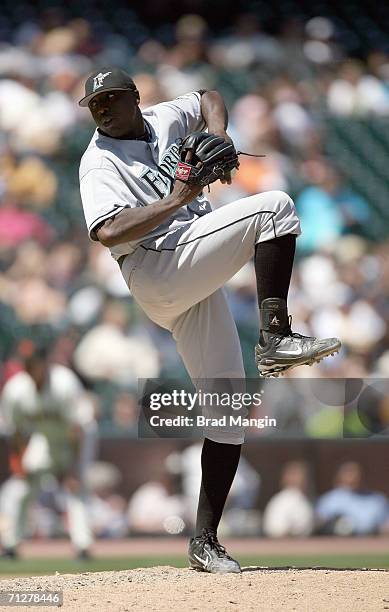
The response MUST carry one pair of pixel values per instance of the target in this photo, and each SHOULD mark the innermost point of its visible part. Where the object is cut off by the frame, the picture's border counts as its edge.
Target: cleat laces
(209, 537)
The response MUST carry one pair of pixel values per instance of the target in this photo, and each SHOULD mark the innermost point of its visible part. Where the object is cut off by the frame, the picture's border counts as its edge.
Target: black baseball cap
(107, 79)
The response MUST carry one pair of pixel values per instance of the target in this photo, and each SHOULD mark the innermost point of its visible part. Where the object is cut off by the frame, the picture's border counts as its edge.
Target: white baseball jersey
(117, 174)
(177, 272)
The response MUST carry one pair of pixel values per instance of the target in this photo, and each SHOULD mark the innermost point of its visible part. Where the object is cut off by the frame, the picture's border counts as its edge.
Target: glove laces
(249, 154)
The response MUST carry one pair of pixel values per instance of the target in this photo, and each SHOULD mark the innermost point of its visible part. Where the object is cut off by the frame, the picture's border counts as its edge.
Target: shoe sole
(269, 370)
(196, 568)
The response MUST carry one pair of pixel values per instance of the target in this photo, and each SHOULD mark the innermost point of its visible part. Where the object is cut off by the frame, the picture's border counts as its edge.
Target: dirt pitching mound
(257, 589)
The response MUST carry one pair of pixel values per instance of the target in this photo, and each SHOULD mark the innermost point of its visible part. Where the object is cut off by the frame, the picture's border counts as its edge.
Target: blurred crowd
(348, 508)
(166, 505)
(56, 483)
(283, 89)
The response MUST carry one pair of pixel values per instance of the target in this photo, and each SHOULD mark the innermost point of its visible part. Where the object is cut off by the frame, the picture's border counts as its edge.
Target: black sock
(273, 267)
(218, 463)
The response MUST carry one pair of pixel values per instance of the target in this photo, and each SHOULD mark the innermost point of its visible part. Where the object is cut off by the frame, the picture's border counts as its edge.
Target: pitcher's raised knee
(278, 215)
(285, 219)
(277, 200)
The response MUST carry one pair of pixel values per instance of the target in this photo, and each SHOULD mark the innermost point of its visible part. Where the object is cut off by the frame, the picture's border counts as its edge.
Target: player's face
(115, 112)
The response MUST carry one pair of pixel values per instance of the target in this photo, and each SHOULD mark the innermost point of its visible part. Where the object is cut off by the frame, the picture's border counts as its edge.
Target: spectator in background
(256, 131)
(185, 66)
(290, 511)
(354, 92)
(106, 507)
(114, 350)
(156, 507)
(327, 207)
(247, 46)
(51, 426)
(152, 92)
(349, 508)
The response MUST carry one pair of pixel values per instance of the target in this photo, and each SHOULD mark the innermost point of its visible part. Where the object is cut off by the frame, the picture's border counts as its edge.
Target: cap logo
(274, 321)
(98, 80)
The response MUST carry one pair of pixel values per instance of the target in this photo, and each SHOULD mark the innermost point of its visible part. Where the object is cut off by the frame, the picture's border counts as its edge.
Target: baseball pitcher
(141, 180)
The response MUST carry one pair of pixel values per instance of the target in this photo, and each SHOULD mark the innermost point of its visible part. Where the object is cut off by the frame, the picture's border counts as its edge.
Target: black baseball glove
(205, 158)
